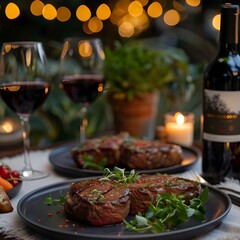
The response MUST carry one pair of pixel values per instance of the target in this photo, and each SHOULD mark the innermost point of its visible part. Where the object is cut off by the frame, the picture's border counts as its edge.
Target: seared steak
(102, 203)
(122, 150)
(99, 148)
(145, 155)
(98, 203)
(145, 189)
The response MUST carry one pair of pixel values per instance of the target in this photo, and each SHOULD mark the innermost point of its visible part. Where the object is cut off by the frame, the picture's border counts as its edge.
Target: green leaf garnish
(54, 201)
(119, 176)
(168, 212)
(90, 163)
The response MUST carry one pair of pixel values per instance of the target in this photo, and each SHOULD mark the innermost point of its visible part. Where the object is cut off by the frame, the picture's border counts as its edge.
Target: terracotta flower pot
(138, 116)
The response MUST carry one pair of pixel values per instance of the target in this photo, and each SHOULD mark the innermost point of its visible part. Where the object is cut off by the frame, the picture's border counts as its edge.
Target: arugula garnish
(90, 163)
(119, 176)
(54, 201)
(169, 211)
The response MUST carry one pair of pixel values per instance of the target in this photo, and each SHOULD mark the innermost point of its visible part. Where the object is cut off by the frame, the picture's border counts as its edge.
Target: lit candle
(179, 128)
(10, 132)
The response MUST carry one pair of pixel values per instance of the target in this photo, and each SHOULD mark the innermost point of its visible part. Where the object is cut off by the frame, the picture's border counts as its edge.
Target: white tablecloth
(12, 225)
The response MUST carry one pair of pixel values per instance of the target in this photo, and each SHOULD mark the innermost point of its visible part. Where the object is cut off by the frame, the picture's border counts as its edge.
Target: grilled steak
(98, 203)
(125, 151)
(108, 147)
(145, 189)
(145, 155)
(106, 202)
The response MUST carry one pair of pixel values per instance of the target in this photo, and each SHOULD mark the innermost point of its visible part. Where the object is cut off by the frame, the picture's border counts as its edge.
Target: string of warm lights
(130, 16)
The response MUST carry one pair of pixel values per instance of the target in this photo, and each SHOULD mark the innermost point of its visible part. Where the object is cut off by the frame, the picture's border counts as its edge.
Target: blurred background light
(193, 3)
(135, 8)
(155, 10)
(49, 12)
(85, 49)
(216, 21)
(63, 14)
(134, 16)
(143, 2)
(171, 17)
(86, 28)
(12, 11)
(103, 12)
(83, 13)
(95, 24)
(126, 30)
(36, 7)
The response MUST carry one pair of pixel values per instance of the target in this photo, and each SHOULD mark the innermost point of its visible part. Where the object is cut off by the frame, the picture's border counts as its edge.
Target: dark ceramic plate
(14, 191)
(51, 221)
(62, 161)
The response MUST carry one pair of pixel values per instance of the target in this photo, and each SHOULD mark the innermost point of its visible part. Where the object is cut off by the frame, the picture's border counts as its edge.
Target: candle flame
(6, 127)
(179, 118)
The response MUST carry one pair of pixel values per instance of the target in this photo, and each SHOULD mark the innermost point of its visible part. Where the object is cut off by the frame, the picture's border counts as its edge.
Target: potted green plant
(135, 74)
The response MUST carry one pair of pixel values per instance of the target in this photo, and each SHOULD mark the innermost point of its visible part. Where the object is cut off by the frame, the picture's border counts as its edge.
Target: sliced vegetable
(5, 184)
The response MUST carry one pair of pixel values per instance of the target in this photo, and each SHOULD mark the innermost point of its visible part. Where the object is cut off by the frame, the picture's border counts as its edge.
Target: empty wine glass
(24, 86)
(81, 73)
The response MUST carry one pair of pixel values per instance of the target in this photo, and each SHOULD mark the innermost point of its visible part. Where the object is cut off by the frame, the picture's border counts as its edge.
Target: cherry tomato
(14, 182)
(5, 172)
(15, 174)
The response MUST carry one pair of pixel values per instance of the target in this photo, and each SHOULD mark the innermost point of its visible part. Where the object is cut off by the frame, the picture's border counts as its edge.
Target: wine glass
(24, 86)
(81, 73)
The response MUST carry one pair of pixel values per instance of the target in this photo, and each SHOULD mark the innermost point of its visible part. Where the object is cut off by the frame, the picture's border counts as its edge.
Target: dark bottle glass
(221, 104)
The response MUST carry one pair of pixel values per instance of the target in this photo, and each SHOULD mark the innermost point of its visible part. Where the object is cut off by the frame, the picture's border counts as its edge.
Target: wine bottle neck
(229, 29)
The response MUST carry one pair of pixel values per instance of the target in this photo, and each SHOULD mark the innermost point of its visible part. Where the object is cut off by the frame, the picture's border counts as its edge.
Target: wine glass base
(32, 174)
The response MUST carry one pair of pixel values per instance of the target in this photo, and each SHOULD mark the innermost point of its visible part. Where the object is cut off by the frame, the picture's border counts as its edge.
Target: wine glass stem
(83, 125)
(27, 169)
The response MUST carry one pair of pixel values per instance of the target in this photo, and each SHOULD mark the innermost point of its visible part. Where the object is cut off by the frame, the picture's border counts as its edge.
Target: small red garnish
(5, 172)
(15, 174)
(67, 221)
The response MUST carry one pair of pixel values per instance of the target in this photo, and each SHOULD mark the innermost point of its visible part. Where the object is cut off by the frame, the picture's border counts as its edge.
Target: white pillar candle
(179, 128)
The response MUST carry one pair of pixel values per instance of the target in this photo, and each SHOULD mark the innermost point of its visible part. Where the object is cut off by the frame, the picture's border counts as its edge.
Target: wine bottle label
(221, 116)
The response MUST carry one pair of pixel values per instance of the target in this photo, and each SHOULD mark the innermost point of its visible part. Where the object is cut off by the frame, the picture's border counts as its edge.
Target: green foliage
(134, 69)
(168, 212)
(119, 176)
(90, 163)
(54, 201)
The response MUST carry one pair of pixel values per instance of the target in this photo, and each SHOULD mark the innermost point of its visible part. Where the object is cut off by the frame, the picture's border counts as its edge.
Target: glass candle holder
(179, 128)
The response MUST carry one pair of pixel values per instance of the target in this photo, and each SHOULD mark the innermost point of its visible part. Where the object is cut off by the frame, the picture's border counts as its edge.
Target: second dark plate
(62, 161)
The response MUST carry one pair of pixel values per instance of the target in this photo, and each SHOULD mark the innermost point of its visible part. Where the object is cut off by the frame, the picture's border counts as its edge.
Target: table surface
(11, 151)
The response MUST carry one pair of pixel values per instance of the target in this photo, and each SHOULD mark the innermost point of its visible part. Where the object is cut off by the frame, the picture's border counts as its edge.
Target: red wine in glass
(81, 73)
(24, 86)
(24, 97)
(83, 88)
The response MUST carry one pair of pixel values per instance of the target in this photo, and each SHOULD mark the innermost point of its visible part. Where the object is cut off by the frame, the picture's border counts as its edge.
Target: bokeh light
(131, 17)
(193, 3)
(135, 8)
(143, 2)
(85, 49)
(49, 12)
(36, 7)
(103, 12)
(155, 10)
(171, 17)
(126, 30)
(63, 14)
(12, 11)
(95, 24)
(83, 13)
(216, 21)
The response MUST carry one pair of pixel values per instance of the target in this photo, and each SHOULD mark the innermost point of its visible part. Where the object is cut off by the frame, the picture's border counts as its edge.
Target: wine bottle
(221, 104)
